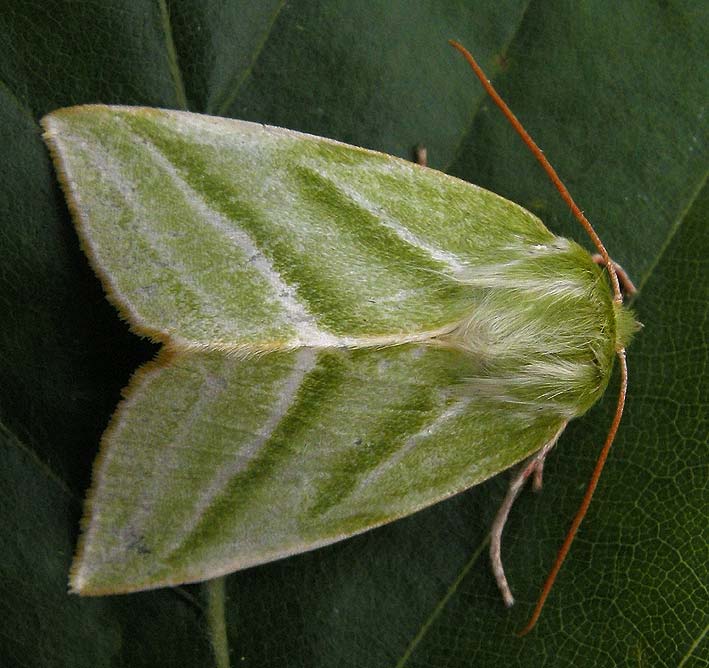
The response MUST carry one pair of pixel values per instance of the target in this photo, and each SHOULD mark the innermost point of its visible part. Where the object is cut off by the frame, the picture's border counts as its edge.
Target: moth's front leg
(625, 282)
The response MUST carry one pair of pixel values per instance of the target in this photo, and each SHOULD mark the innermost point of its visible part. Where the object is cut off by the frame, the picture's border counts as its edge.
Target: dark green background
(615, 94)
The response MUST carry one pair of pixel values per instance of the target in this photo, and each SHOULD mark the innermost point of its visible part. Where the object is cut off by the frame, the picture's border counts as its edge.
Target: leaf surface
(615, 99)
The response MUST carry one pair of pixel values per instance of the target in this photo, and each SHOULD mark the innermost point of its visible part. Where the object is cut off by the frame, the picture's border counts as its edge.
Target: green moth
(347, 338)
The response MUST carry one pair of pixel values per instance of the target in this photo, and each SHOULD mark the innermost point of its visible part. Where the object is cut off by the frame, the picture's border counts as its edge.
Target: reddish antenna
(617, 298)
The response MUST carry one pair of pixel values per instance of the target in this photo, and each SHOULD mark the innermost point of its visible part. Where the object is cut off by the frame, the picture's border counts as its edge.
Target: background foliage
(615, 95)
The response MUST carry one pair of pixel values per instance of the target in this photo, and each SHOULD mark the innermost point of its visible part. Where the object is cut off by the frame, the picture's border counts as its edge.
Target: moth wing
(264, 457)
(220, 234)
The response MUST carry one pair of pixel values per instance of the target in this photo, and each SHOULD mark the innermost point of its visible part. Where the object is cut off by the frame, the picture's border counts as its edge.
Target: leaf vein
(172, 59)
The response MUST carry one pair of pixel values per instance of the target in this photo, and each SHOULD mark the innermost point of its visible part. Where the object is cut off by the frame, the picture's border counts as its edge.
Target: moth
(347, 338)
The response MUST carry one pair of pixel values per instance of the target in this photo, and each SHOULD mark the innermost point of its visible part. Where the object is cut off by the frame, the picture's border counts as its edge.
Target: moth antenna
(617, 297)
(541, 158)
(581, 512)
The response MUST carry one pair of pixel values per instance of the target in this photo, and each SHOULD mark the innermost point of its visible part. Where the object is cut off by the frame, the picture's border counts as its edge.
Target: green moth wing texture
(349, 338)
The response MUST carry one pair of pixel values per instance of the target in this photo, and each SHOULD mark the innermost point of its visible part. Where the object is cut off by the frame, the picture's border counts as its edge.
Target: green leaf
(613, 97)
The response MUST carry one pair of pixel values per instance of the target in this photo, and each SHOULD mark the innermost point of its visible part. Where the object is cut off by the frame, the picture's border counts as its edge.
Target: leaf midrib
(674, 229)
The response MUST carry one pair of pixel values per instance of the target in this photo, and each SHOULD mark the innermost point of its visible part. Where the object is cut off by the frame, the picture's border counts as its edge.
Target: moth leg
(533, 466)
(628, 286)
(538, 473)
(421, 155)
